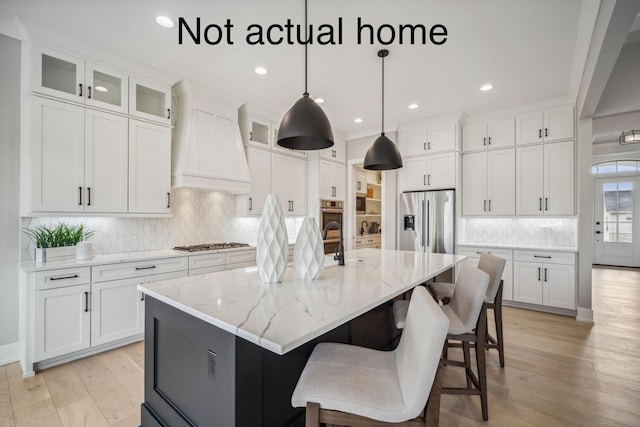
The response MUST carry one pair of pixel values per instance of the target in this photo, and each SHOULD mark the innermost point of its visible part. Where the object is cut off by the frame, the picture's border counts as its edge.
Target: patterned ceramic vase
(308, 254)
(272, 244)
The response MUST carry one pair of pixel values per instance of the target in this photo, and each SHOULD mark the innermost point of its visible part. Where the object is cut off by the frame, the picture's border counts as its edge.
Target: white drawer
(476, 251)
(59, 278)
(548, 257)
(235, 257)
(240, 265)
(205, 270)
(207, 260)
(102, 273)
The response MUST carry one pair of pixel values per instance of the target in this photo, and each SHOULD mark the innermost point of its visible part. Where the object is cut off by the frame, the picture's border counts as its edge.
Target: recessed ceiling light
(261, 70)
(486, 87)
(102, 89)
(357, 120)
(319, 100)
(413, 106)
(164, 21)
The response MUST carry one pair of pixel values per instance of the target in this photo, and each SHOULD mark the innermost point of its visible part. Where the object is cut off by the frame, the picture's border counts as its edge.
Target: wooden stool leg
(481, 362)
(497, 314)
(432, 411)
(467, 361)
(313, 415)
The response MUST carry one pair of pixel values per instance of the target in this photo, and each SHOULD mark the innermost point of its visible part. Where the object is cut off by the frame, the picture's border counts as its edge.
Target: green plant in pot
(58, 242)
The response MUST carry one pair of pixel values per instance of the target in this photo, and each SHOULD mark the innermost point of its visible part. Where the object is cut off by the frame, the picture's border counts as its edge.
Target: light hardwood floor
(558, 373)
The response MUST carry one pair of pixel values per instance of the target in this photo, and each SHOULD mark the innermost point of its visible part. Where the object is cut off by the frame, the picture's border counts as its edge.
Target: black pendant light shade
(305, 127)
(383, 153)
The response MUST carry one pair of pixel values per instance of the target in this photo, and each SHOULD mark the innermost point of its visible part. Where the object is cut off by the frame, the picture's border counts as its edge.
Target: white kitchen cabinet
(432, 139)
(361, 182)
(473, 256)
(259, 162)
(149, 167)
(554, 124)
(337, 152)
(546, 284)
(332, 180)
(289, 182)
(255, 128)
(497, 133)
(545, 179)
(433, 172)
(488, 186)
(117, 310)
(368, 241)
(149, 100)
(71, 78)
(284, 150)
(61, 321)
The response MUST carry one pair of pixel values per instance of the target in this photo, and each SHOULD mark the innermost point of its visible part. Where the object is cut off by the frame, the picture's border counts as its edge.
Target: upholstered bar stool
(354, 386)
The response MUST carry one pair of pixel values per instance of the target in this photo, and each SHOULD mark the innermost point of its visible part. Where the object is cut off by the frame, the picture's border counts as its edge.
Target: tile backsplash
(522, 231)
(198, 217)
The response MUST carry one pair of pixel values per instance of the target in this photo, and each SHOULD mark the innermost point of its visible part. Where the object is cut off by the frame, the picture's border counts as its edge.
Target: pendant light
(383, 154)
(305, 126)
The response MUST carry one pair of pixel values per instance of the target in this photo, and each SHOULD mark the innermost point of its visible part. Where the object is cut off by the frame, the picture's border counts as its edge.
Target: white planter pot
(55, 254)
(272, 244)
(308, 254)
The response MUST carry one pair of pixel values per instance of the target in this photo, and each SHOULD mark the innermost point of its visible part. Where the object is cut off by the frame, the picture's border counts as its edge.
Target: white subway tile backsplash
(560, 232)
(198, 217)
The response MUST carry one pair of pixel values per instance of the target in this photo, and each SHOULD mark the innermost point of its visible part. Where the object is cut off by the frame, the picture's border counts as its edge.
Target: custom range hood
(206, 146)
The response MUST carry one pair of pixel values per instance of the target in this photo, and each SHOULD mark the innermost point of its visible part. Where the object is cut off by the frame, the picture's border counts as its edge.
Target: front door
(617, 236)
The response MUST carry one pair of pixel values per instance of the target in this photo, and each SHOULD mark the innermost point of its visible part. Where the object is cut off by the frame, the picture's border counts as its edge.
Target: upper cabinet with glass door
(149, 100)
(67, 77)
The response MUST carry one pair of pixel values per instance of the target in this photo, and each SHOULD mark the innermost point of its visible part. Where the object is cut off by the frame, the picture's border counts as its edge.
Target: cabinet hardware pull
(540, 204)
(429, 179)
(546, 133)
(538, 274)
(250, 136)
(88, 196)
(484, 141)
(168, 113)
(424, 146)
(168, 200)
(80, 85)
(489, 140)
(485, 205)
(75, 276)
(539, 133)
(80, 192)
(489, 205)
(141, 297)
(149, 267)
(542, 256)
(88, 92)
(86, 301)
(545, 274)
(428, 145)
(546, 203)
(250, 203)
(424, 180)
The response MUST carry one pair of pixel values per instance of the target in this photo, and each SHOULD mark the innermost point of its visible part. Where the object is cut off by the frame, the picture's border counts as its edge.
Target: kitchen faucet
(339, 256)
(362, 226)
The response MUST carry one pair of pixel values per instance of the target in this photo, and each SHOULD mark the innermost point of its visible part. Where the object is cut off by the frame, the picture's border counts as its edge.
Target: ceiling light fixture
(305, 126)
(486, 87)
(357, 120)
(261, 70)
(319, 100)
(101, 89)
(384, 153)
(629, 137)
(413, 106)
(164, 21)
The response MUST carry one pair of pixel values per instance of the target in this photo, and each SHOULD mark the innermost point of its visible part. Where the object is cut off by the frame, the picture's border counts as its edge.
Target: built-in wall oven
(331, 210)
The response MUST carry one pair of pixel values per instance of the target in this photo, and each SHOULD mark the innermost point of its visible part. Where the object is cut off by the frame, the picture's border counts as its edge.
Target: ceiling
(525, 48)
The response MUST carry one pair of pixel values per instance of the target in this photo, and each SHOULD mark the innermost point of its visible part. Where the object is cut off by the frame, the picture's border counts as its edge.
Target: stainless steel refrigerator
(427, 221)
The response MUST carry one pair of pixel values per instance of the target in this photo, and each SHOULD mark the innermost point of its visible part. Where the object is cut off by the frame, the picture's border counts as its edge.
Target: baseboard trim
(585, 315)
(9, 353)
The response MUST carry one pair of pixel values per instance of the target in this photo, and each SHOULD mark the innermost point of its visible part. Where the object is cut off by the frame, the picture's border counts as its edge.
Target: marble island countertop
(519, 246)
(282, 316)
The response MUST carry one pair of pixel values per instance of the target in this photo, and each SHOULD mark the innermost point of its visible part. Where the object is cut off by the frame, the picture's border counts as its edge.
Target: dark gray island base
(197, 374)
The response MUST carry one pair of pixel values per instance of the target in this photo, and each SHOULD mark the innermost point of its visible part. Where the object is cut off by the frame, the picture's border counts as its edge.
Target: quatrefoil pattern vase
(272, 244)
(308, 254)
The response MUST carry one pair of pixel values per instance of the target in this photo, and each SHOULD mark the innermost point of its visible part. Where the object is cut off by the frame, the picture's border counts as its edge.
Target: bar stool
(348, 385)
(467, 323)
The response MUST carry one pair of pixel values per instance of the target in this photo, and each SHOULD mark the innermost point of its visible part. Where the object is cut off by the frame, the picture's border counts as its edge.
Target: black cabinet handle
(89, 92)
(546, 133)
(75, 276)
(489, 140)
(542, 256)
(546, 203)
(485, 205)
(168, 113)
(484, 141)
(424, 180)
(149, 267)
(86, 301)
(539, 133)
(489, 205)
(428, 145)
(168, 200)
(141, 297)
(545, 274)
(424, 146)
(250, 136)
(598, 231)
(540, 204)
(538, 274)
(80, 86)
(250, 203)
(429, 179)
(88, 196)
(80, 192)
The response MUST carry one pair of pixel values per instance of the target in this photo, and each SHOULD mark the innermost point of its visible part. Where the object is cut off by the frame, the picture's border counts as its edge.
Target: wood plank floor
(558, 373)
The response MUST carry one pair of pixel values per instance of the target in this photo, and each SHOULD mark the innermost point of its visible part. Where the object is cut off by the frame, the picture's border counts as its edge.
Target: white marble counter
(280, 317)
(31, 266)
(523, 247)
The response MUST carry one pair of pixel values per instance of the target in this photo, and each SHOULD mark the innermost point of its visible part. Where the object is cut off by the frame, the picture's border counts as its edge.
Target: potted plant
(59, 242)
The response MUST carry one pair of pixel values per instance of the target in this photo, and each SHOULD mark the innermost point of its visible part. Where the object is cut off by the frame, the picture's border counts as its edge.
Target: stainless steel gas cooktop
(210, 246)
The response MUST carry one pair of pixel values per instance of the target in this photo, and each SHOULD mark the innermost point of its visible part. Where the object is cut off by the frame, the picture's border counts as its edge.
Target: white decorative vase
(272, 242)
(308, 254)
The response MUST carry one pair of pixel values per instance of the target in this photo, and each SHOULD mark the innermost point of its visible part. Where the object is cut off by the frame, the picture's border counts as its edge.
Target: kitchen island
(224, 349)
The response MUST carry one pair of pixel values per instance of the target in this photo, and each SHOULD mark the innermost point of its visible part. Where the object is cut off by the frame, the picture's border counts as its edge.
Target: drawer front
(547, 257)
(60, 278)
(208, 260)
(241, 256)
(476, 251)
(205, 270)
(240, 265)
(103, 273)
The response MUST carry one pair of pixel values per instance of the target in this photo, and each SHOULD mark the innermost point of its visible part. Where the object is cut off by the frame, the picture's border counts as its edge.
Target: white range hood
(207, 151)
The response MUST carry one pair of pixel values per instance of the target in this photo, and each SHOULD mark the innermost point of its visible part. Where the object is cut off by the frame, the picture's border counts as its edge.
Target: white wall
(9, 188)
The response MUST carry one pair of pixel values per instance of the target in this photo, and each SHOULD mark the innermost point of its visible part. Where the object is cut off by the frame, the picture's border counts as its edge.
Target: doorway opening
(367, 202)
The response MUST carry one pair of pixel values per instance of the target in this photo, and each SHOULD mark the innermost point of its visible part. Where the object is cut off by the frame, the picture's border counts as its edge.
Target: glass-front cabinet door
(106, 88)
(58, 75)
(149, 101)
